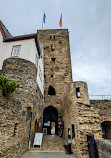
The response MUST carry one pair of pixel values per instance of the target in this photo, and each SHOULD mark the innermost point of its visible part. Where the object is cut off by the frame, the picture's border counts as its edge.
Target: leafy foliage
(107, 104)
(8, 87)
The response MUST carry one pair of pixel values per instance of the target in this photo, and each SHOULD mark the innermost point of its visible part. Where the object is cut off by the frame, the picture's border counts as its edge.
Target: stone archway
(50, 120)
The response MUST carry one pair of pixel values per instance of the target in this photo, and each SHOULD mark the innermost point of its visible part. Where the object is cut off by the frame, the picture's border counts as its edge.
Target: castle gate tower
(58, 73)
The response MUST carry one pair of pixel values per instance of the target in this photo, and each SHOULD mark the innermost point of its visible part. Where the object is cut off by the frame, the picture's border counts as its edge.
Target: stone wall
(15, 111)
(37, 112)
(104, 148)
(84, 97)
(103, 109)
(14, 129)
(83, 116)
(58, 73)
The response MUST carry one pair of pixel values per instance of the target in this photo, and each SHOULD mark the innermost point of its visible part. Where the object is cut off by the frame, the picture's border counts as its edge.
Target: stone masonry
(57, 64)
(15, 111)
(86, 120)
(103, 109)
(104, 148)
(70, 99)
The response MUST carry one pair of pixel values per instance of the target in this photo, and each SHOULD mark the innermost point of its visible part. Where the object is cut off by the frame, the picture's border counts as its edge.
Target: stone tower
(57, 65)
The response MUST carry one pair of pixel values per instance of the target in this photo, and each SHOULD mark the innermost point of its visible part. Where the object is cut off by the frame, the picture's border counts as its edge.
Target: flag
(44, 17)
(60, 23)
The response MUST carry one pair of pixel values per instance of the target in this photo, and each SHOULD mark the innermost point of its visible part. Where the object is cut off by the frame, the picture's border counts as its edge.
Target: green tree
(8, 87)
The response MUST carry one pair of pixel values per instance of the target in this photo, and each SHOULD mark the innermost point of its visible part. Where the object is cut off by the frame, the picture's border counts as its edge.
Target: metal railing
(99, 97)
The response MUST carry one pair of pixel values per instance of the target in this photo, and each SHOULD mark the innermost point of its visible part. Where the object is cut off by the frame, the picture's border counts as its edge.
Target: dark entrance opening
(51, 91)
(106, 129)
(50, 120)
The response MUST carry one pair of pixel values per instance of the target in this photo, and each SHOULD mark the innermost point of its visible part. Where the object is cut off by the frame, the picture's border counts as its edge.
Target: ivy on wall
(8, 87)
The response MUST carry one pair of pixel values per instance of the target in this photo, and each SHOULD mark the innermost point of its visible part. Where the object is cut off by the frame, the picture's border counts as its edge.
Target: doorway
(106, 129)
(50, 120)
(53, 128)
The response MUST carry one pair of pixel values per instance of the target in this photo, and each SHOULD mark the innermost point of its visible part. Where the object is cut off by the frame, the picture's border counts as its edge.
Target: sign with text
(38, 139)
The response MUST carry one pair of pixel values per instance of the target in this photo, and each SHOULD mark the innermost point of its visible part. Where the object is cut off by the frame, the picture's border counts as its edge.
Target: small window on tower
(53, 59)
(52, 37)
(15, 129)
(51, 75)
(78, 92)
(16, 51)
(51, 91)
(60, 42)
(73, 131)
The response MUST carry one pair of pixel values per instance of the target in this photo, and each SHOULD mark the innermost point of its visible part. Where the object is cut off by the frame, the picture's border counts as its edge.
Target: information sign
(38, 139)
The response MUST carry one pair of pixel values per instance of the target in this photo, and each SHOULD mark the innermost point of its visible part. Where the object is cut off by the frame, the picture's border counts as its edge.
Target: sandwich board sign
(38, 139)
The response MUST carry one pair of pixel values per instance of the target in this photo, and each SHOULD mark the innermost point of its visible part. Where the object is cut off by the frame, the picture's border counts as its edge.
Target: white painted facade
(28, 51)
(40, 72)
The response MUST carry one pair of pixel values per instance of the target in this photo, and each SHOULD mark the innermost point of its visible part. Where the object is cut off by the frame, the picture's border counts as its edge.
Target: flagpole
(61, 19)
(42, 20)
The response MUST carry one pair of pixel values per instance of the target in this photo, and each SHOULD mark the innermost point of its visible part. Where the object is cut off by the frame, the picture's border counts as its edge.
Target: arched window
(51, 91)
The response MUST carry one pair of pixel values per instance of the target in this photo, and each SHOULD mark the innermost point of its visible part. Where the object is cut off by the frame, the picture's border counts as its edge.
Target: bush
(108, 104)
(8, 87)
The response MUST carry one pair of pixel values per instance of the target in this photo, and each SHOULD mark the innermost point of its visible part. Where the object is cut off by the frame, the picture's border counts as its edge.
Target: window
(16, 51)
(51, 76)
(73, 131)
(52, 37)
(78, 92)
(60, 42)
(36, 59)
(53, 59)
(15, 129)
(51, 91)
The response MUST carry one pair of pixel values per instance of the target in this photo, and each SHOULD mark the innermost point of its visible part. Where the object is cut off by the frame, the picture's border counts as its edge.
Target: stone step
(41, 154)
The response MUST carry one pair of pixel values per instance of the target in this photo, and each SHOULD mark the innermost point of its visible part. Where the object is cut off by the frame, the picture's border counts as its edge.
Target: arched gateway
(50, 120)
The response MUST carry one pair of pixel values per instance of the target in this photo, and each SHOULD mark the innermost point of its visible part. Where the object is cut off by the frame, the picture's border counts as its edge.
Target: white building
(24, 46)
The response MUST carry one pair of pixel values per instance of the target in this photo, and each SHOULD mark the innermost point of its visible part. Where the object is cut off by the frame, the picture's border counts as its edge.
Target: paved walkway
(49, 155)
(51, 143)
(52, 147)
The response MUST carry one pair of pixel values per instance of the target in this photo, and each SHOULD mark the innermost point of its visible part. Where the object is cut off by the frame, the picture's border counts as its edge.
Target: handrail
(99, 97)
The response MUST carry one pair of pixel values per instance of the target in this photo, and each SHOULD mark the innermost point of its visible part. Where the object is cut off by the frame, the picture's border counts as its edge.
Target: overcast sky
(89, 24)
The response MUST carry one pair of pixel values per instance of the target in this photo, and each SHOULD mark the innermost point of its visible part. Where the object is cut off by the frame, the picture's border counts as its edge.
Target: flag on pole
(43, 21)
(44, 17)
(60, 23)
